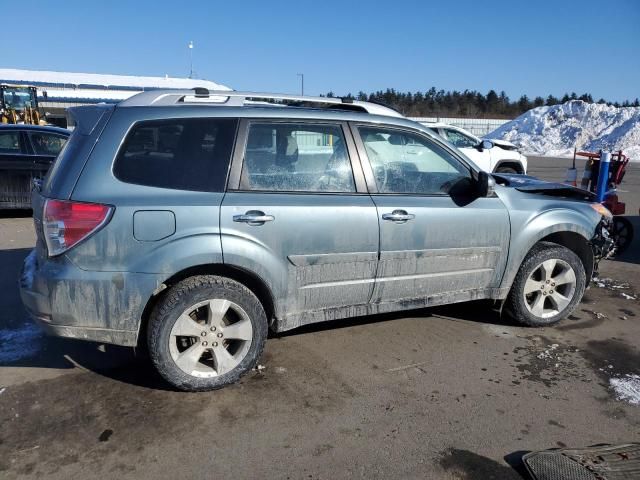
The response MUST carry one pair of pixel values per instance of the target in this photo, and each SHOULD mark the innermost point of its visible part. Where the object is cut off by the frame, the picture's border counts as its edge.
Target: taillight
(66, 223)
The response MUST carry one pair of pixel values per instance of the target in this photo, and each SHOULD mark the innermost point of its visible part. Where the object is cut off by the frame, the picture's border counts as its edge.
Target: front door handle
(254, 217)
(399, 216)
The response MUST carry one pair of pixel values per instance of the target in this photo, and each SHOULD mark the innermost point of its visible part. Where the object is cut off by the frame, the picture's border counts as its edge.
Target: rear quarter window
(181, 154)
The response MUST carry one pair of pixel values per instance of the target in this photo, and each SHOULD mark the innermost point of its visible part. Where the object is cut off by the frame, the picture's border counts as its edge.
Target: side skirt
(336, 313)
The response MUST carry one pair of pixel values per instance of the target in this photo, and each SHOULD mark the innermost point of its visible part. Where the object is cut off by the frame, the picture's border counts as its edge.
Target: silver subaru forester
(192, 222)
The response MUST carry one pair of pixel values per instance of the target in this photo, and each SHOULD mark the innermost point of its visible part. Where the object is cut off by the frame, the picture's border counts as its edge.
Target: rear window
(181, 154)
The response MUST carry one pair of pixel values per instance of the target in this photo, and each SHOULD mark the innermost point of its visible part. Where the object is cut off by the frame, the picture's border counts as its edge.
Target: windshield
(18, 98)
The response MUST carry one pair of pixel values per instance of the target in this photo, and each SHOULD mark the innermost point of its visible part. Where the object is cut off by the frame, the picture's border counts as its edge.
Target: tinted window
(182, 154)
(9, 142)
(403, 162)
(296, 158)
(459, 139)
(46, 143)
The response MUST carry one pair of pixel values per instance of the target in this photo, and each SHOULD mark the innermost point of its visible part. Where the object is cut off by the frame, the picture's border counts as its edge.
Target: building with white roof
(59, 90)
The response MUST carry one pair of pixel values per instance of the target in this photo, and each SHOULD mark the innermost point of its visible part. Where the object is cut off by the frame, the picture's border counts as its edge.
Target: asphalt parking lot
(451, 393)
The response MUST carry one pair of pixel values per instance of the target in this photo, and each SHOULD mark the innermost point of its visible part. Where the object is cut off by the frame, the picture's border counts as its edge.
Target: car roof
(232, 98)
(35, 128)
(259, 112)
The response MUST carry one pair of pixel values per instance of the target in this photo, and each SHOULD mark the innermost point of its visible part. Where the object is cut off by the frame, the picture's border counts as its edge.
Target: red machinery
(622, 227)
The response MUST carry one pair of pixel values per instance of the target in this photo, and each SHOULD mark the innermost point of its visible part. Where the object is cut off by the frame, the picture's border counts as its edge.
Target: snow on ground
(627, 388)
(556, 130)
(19, 343)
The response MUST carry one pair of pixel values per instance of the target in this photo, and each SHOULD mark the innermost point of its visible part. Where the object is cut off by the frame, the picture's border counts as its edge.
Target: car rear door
(45, 147)
(297, 214)
(439, 242)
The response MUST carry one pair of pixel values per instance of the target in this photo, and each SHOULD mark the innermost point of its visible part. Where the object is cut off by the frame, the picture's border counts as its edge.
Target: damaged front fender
(602, 242)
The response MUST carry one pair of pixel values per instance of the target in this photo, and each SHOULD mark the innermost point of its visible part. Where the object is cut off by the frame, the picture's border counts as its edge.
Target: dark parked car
(26, 153)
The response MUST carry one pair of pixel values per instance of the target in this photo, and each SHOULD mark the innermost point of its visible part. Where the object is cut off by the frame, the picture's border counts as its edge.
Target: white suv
(490, 155)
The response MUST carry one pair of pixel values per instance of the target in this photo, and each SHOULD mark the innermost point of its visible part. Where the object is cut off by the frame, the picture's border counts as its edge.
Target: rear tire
(548, 286)
(206, 332)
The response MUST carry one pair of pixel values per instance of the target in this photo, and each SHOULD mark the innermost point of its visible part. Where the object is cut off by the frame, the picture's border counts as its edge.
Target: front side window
(289, 157)
(181, 154)
(10, 142)
(459, 139)
(47, 144)
(404, 162)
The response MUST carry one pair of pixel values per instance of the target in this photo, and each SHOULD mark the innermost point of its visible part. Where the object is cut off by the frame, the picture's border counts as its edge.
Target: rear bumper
(70, 302)
(101, 335)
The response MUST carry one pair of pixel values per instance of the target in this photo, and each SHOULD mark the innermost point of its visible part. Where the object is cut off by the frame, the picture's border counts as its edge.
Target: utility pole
(301, 75)
(191, 59)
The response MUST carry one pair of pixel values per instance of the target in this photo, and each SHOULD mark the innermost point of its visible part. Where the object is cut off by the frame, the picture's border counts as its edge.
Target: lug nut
(204, 344)
(542, 286)
(544, 293)
(215, 344)
(548, 281)
(550, 292)
(204, 334)
(553, 284)
(220, 335)
(213, 329)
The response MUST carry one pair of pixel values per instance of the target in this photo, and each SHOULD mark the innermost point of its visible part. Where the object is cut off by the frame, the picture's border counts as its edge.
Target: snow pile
(557, 129)
(627, 388)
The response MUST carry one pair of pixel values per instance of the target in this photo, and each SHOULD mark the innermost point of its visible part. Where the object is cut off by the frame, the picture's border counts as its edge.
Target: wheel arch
(515, 164)
(572, 234)
(578, 245)
(249, 279)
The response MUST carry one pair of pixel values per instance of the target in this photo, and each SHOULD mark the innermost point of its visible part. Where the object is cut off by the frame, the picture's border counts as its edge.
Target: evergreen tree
(468, 103)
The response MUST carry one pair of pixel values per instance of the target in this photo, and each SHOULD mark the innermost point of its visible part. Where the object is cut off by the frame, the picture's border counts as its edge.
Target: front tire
(206, 332)
(548, 286)
(509, 170)
(622, 233)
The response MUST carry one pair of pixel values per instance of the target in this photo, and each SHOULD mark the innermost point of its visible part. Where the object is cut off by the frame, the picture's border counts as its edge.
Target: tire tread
(163, 309)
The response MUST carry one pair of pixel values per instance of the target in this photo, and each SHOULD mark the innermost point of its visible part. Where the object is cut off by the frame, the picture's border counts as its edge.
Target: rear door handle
(399, 216)
(254, 217)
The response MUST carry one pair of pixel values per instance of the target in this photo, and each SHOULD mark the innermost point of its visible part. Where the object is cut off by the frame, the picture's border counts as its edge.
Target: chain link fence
(478, 126)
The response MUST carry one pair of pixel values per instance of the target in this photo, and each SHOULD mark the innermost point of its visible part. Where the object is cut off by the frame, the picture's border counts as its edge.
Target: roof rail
(232, 98)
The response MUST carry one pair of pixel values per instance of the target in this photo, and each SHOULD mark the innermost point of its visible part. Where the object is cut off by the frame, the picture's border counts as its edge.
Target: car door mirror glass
(485, 145)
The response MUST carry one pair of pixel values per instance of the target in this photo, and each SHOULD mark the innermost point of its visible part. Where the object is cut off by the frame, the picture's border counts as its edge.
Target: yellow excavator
(19, 104)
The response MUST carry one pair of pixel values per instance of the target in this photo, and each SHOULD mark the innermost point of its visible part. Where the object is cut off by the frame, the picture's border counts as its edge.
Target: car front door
(297, 213)
(439, 241)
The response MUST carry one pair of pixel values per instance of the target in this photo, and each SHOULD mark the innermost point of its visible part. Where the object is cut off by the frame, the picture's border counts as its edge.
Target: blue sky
(523, 47)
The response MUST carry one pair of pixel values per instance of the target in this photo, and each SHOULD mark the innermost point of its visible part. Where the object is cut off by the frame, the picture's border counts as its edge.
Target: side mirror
(486, 185)
(484, 145)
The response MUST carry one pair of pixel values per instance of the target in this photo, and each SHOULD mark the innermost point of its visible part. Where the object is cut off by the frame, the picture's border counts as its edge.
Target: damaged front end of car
(602, 243)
